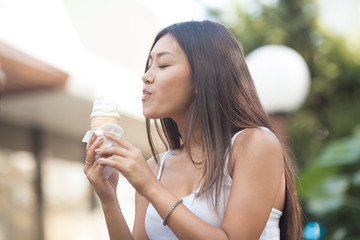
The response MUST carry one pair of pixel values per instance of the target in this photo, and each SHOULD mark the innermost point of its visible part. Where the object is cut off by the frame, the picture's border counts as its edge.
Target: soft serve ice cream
(104, 111)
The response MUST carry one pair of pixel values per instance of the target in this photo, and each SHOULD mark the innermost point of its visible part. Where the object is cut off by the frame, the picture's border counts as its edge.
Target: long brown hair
(226, 102)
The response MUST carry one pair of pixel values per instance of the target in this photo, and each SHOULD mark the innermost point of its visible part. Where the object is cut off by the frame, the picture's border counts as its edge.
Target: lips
(146, 94)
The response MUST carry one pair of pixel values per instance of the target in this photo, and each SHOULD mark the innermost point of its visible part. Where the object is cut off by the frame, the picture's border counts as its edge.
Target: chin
(152, 115)
(149, 115)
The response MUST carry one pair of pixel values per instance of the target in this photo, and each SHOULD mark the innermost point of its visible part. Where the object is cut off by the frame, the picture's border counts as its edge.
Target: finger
(91, 151)
(91, 141)
(94, 172)
(122, 142)
(93, 169)
(98, 167)
(114, 161)
(92, 165)
(114, 150)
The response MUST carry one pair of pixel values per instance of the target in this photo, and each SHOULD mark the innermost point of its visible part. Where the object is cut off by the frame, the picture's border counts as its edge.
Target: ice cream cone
(103, 112)
(99, 121)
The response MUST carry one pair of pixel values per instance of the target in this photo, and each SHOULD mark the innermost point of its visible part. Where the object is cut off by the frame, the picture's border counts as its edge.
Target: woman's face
(167, 90)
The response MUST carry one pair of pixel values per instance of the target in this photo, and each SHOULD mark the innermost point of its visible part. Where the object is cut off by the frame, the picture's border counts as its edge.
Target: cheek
(181, 94)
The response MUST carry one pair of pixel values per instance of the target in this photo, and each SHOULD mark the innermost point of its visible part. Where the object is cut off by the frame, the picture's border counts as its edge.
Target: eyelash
(160, 66)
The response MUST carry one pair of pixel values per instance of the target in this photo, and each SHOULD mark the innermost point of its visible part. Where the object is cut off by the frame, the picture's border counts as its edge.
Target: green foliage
(331, 187)
(324, 143)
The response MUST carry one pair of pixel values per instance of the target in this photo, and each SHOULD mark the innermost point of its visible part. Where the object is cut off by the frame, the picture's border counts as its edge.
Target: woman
(226, 175)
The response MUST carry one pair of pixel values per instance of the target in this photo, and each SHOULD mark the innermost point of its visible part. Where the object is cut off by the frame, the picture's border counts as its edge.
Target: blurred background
(57, 56)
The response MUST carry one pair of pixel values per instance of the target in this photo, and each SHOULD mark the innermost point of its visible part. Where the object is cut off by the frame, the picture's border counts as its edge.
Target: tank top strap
(235, 135)
(232, 143)
(167, 153)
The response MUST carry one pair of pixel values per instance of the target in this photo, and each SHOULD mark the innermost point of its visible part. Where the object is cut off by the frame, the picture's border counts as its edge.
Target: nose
(147, 78)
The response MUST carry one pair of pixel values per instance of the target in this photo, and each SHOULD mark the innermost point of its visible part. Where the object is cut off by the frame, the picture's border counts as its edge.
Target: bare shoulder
(257, 135)
(257, 144)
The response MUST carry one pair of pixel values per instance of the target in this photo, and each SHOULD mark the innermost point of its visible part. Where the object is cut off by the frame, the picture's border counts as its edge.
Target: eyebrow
(160, 54)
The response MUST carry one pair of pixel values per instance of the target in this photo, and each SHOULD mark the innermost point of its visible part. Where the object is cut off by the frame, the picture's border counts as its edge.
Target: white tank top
(199, 206)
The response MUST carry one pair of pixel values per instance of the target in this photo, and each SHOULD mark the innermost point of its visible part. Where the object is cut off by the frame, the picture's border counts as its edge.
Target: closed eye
(164, 66)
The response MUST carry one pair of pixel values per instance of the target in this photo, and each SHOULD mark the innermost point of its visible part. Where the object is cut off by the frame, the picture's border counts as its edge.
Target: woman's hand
(104, 188)
(130, 161)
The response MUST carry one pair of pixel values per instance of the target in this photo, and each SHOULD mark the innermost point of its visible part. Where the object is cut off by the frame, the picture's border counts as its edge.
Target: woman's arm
(115, 221)
(257, 172)
(141, 204)
(106, 191)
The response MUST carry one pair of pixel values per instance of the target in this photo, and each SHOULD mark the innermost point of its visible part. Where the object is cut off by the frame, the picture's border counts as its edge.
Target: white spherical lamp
(281, 77)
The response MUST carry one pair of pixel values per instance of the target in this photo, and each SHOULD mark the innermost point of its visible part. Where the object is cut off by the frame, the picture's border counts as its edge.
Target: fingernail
(98, 150)
(101, 138)
(100, 160)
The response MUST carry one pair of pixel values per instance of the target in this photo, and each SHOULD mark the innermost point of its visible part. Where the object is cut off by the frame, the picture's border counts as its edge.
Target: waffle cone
(99, 121)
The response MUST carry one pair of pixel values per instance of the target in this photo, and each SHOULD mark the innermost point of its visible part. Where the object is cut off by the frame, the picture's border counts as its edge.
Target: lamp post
(282, 79)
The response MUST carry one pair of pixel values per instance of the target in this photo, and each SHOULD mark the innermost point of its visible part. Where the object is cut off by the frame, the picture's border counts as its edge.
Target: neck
(194, 146)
